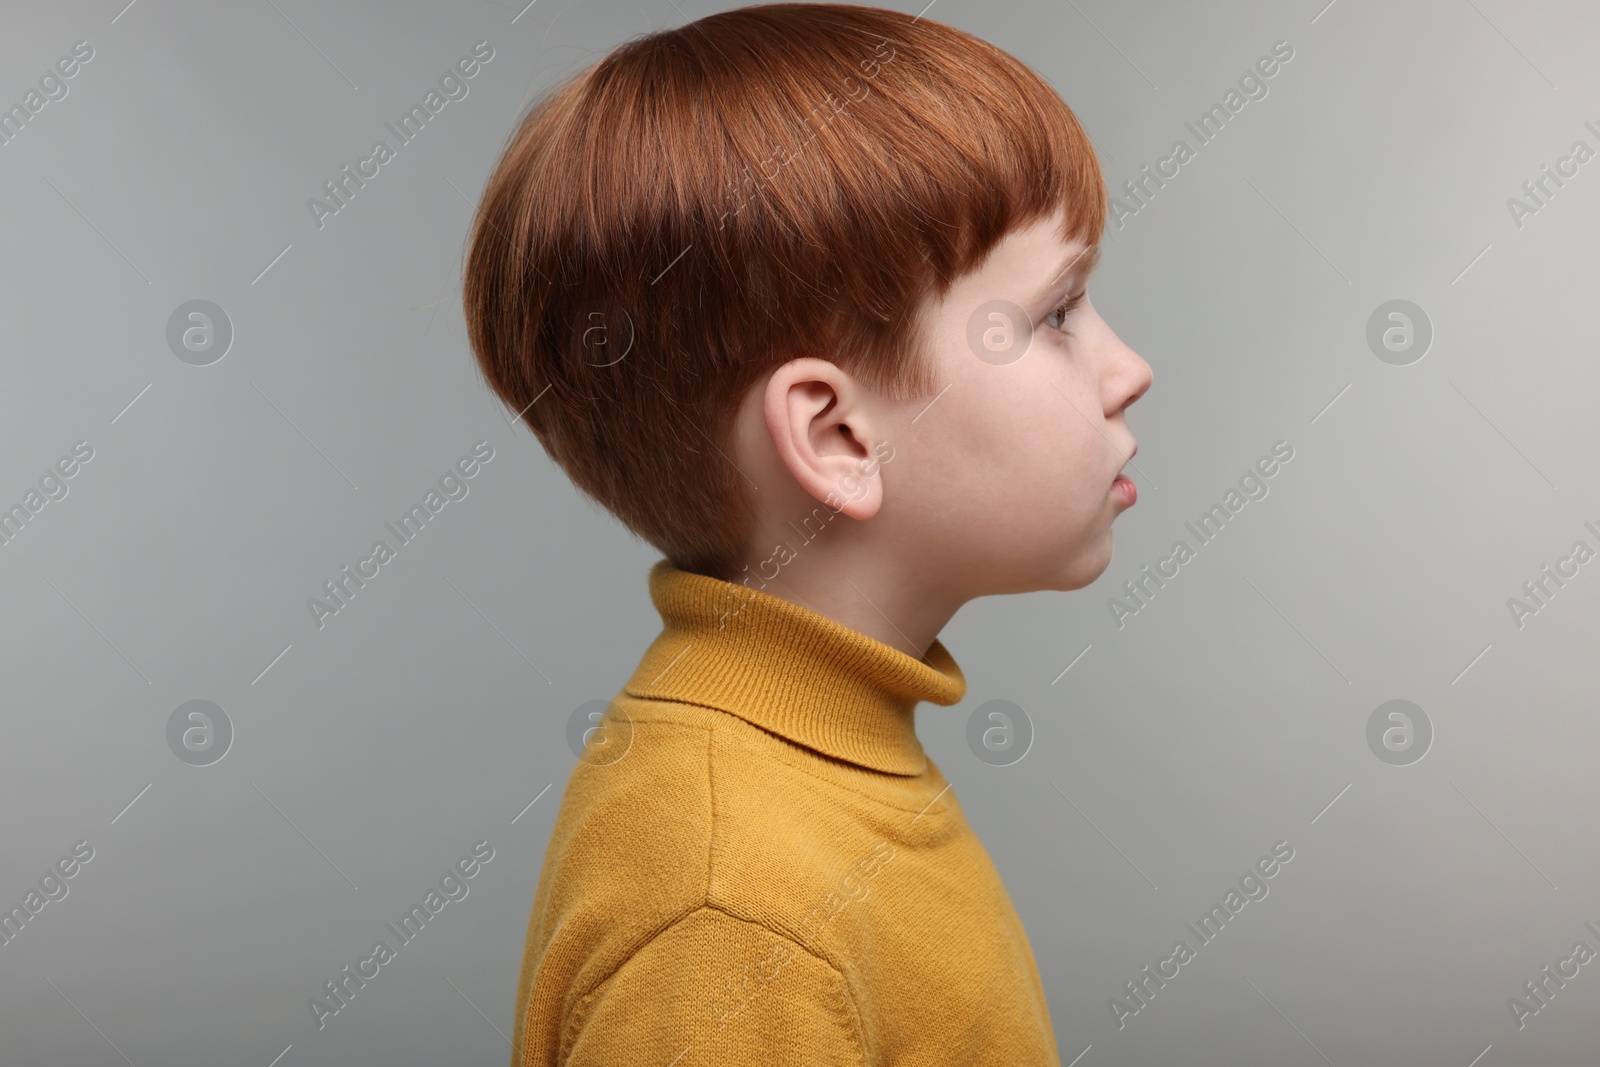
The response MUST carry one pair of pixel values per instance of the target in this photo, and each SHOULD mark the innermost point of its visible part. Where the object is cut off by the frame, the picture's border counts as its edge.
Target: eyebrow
(1081, 264)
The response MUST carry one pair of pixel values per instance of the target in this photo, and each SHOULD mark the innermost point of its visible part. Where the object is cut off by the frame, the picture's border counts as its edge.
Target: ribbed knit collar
(791, 671)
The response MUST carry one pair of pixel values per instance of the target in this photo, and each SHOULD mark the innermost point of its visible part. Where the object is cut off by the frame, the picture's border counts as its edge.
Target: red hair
(706, 203)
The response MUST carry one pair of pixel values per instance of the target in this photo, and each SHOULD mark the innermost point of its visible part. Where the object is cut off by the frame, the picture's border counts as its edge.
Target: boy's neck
(867, 595)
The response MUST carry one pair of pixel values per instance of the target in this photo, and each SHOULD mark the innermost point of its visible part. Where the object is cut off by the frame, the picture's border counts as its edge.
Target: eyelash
(1065, 308)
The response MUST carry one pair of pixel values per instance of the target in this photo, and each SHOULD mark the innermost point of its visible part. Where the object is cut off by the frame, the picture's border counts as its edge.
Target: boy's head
(798, 255)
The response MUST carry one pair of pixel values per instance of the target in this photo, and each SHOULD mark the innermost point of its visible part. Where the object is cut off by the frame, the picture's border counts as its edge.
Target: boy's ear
(822, 431)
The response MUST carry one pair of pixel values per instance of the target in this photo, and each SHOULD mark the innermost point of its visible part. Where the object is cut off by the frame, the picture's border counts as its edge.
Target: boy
(796, 291)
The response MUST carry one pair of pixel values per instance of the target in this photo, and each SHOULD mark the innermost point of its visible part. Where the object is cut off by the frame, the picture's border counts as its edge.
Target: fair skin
(999, 482)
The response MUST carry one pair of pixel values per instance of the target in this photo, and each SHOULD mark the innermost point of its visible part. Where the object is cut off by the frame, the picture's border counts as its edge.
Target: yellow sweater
(756, 863)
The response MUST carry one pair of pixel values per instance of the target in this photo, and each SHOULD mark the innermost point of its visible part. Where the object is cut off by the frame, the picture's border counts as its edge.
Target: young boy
(797, 292)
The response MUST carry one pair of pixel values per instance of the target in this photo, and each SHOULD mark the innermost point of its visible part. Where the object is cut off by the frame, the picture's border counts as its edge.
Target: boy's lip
(1131, 493)
(1129, 460)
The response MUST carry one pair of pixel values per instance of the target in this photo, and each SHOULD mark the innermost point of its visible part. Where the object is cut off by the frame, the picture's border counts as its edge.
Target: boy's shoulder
(692, 808)
(637, 804)
(679, 791)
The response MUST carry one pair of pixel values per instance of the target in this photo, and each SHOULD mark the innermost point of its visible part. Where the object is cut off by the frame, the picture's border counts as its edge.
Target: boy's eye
(1065, 308)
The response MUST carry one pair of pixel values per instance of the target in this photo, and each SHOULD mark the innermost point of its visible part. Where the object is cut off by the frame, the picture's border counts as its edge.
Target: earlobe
(820, 429)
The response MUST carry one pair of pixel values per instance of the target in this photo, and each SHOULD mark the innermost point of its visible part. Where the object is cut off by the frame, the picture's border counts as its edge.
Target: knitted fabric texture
(755, 862)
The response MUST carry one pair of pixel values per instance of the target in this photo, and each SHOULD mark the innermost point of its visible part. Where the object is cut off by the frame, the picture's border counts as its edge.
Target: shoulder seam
(711, 807)
(583, 998)
(846, 994)
(842, 984)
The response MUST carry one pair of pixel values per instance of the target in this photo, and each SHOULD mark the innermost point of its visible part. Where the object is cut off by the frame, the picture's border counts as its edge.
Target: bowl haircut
(703, 204)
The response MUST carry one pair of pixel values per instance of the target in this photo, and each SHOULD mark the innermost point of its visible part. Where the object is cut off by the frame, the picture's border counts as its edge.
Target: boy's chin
(1082, 569)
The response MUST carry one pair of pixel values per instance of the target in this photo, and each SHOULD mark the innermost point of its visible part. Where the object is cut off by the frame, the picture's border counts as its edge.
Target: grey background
(1229, 714)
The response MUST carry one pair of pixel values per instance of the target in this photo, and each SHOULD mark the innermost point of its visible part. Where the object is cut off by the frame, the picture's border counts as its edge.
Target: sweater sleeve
(714, 989)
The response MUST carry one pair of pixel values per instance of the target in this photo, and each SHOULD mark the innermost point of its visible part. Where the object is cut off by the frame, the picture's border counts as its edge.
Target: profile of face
(1005, 480)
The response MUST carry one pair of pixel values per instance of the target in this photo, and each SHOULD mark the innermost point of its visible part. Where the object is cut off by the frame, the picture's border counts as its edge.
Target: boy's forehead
(1038, 246)
(1034, 260)
(1080, 260)
(1029, 267)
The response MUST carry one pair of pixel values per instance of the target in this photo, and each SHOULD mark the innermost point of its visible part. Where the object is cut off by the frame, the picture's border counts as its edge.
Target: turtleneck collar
(791, 671)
